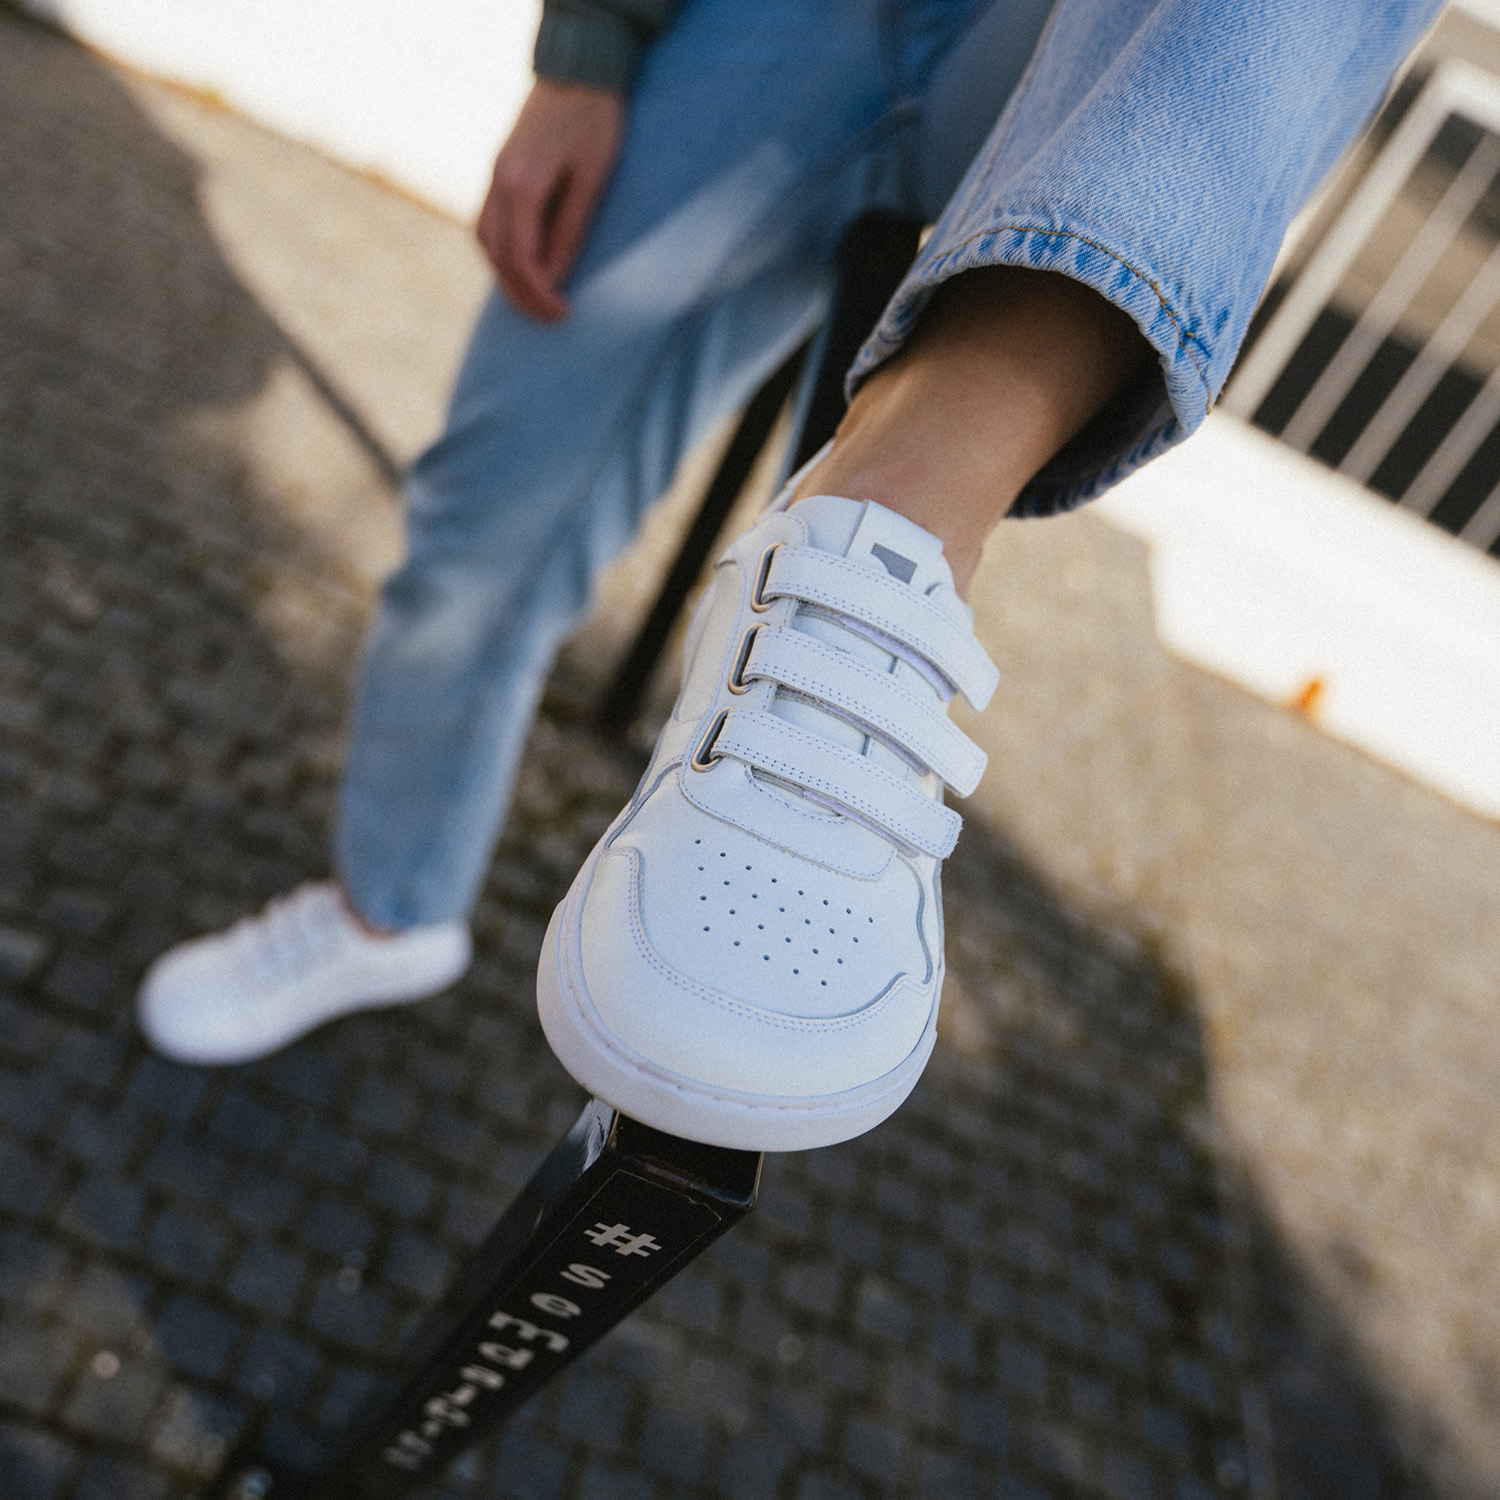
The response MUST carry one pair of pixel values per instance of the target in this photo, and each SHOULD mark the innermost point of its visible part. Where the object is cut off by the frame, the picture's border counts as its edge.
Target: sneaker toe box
(836, 1024)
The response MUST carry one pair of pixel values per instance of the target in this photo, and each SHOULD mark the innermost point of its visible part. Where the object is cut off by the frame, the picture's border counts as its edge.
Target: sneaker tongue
(876, 538)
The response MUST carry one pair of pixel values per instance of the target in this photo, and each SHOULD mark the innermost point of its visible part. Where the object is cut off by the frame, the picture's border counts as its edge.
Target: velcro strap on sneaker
(871, 794)
(916, 725)
(890, 606)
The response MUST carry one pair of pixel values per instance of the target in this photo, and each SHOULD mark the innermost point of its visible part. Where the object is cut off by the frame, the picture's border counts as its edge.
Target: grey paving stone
(21, 952)
(24, 1030)
(813, 1287)
(601, 1481)
(196, 1431)
(453, 1137)
(924, 1267)
(294, 1447)
(945, 1476)
(261, 1201)
(691, 1301)
(188, 1165)
(116, 1405)
(352, 1392)
(167, 1088)
(1022, 1368)
(277, 1368)
(82, 982)
(872, 1448)
(675, 1445)
(743, 1259)
(34, 1358)
(380, 1104)
(528, 1467)
(356, 1317)
(470, 1216)
(593, 1408)
(915, 1391)
(840, 1364)
(24, 1182)
(826, 1487)
(753, 1468)
(855, 1238)
(107, 1302)
(337, 1229)
(105, 1139)
(33, 1270)
(327, 1154)
(34, 1465)
(106, 1477)
(400, 1185)
(1193, 1380)
(242, 1121)
(104, 1209)
(267, 1278)
(309, 1075)
(1127, 1478)
(196, 1339)
(984, 1423)
(785, 1210)
(1012, 1487)
(800, 1416)
(418, 1265)
(186, 1245)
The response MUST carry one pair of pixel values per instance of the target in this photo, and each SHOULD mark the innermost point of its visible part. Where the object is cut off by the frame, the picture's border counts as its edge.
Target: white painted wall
(421, 91)
(1267, 568)
(1271, 570)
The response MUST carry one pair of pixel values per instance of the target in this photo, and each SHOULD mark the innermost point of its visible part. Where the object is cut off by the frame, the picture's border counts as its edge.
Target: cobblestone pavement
(1194, 1200)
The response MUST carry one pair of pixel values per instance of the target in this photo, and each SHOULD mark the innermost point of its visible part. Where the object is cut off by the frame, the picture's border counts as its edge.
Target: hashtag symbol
(619, 1238)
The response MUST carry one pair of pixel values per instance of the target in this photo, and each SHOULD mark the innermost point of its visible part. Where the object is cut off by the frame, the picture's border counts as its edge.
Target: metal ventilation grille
(1380, 353)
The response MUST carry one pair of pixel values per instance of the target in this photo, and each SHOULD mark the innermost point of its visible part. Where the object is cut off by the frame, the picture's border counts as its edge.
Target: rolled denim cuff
(1157, 152)
(1148, 417)
(588, 45)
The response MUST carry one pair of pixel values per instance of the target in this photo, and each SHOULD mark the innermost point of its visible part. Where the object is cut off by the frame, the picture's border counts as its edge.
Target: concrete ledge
(1295, 583)
(419, 93)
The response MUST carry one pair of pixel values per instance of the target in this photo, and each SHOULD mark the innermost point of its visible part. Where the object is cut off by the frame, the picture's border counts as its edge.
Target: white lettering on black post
(448, 1409)
(619, 1238)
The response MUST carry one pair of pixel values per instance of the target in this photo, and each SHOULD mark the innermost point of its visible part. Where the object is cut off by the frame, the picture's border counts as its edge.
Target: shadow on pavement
(1026, 1284)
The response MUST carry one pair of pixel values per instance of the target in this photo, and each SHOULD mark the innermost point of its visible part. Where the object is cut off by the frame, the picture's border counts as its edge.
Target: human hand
(548, 178)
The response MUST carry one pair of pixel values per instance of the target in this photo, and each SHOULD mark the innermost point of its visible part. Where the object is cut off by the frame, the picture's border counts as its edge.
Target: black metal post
(611, 1215)
(873, 256)
(622, 702)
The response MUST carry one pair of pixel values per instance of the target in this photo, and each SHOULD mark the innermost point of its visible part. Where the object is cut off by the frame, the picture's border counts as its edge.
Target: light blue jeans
(1154, 149)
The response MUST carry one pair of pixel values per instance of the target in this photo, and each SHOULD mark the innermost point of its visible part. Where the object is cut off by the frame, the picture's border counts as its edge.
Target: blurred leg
(756, 134)
(1155, 151)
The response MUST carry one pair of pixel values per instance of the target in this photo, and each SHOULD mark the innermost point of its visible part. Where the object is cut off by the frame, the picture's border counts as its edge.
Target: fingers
(513, 229)
(571, 215)
(548, 179)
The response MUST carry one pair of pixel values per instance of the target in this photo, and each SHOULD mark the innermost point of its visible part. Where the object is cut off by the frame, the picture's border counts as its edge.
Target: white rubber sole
(665, 1100)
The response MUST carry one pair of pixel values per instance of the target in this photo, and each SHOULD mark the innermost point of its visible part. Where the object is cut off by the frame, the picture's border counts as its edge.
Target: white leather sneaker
(752, 955)
(242, 994)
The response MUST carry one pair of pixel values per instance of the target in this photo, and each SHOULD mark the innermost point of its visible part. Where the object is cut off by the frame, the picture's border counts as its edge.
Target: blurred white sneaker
(238, 995)
(752, 955)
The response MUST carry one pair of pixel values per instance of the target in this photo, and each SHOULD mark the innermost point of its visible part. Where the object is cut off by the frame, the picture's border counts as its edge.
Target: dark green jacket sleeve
(598, 42)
